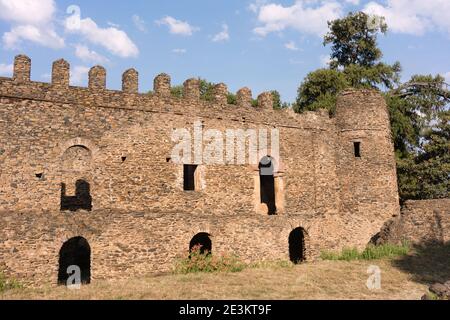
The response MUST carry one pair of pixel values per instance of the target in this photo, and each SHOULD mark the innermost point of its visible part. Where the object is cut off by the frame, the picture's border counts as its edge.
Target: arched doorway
(201, 242)
(297, 252)
(267, 184)
(75, 252)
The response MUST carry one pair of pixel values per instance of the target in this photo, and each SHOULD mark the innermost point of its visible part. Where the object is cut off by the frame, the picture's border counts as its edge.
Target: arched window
(267, 184)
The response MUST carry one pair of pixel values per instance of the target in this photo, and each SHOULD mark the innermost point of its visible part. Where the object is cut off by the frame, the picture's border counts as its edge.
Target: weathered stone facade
(335, 182)
(425, 221)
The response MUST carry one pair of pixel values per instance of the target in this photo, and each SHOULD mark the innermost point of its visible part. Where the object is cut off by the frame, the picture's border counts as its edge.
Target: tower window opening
(357, 149)
(189, 177)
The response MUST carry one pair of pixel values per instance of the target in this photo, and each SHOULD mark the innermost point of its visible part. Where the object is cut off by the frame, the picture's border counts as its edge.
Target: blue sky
(261, 44)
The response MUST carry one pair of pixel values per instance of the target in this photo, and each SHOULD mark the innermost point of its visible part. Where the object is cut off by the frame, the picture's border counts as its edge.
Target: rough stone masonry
(87, 177)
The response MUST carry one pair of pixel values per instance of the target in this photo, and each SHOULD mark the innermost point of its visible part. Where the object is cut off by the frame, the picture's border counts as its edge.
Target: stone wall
(420, 222)
(59, 141)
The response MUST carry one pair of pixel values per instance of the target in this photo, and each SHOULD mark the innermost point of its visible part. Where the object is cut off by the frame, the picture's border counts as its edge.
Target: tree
(277, 103)
(419, 109)
(355, 63)
(320, 90)
(354, 40)
(419, 114)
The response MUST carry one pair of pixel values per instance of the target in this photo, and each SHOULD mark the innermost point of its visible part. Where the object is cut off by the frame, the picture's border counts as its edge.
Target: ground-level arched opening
(267, 184)
(297, 250)
(75, 252)
(201, 242)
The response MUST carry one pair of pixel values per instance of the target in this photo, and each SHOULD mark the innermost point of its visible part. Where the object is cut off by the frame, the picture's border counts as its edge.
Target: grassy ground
(319, 280)
(402, 277)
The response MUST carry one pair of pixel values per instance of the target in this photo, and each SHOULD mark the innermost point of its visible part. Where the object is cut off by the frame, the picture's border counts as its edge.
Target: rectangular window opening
(189, 177)
(357, 148)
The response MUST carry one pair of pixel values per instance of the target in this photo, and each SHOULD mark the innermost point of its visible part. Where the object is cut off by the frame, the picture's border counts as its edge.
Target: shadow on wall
(429, 264)
(82, 199)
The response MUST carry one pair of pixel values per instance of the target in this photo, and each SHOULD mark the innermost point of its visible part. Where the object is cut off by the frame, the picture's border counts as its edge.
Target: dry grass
(318, 280)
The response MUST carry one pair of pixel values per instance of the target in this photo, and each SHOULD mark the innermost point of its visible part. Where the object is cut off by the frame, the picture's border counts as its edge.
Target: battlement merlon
(59, 90)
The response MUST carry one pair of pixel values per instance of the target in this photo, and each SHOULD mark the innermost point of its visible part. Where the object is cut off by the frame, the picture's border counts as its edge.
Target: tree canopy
(419, 108)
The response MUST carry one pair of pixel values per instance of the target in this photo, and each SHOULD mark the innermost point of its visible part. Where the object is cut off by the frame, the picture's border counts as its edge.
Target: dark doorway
(189, 177)
(267, 184)
(297, 245)
(75, 252)
(201, 242)
(82, 199)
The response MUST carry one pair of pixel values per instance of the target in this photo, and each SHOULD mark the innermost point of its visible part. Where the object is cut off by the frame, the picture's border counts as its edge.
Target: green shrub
(205, 262)
(372, 252)
(8, 284)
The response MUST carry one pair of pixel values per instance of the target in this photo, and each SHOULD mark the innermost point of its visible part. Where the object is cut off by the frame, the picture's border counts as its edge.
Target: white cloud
(31, 21)
(306, 16)
(6, 69)
(85, 54)
(27, 11)
(79, 75)
(414, 17)
(139, 23)
(179, 51)
(42, 36)
(223, 35)
(254, 6)
(447, 77)
(112, 39)
(112, 24)
(325, 61)
(353, 2)
(177, 26)
(291, 46)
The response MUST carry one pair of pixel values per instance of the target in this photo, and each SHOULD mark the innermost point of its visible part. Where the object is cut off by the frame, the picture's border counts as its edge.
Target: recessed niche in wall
(124, 159)
(39, 176)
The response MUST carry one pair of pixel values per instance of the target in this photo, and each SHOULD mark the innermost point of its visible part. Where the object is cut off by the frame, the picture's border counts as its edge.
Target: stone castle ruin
(87, 177)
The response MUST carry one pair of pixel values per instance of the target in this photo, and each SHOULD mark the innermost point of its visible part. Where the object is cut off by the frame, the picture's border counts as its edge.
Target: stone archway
(75, 252)
(202, 243)
(297, 248)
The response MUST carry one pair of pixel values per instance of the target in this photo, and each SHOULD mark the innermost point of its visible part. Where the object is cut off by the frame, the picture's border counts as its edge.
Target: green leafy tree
(419, 115)
(355, 62)
(320, 90)
(419, 109)
(353, 40)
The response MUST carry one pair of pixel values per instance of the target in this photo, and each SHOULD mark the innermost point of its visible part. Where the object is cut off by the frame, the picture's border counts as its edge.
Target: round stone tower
(366, 164)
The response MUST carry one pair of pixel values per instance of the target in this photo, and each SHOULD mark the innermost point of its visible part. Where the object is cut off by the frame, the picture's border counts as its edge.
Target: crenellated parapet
(161, 100)
(221, 94)
(244, 98)
(191, 89)
(97, 78)
(130, 81)
(61, 73)
(265, 101)
(22, 69)
(161, 85)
